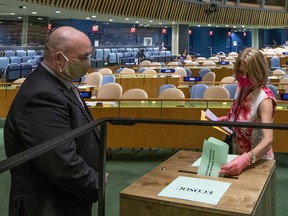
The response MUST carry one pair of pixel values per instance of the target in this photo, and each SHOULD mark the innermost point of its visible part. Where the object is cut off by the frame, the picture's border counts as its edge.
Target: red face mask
(244, 81)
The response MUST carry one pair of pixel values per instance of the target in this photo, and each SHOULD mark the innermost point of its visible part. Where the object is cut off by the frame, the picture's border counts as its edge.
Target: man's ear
(58, 57)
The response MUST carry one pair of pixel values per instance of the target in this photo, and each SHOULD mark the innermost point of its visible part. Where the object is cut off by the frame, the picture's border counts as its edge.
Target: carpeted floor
(124, 169)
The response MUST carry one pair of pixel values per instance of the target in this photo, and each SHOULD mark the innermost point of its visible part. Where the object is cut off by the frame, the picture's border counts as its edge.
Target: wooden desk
(149, 83)
(172, 136)
(7, 95)
(220, 72)
(252, 194)
(162, 136)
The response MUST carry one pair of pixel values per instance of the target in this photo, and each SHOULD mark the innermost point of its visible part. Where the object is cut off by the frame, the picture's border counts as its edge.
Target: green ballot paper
(214, 154)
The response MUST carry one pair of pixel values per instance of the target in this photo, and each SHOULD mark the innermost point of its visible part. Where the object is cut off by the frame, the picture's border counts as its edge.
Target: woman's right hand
(222, 118)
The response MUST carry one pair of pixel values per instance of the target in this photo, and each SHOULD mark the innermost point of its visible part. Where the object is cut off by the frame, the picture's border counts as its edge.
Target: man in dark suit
(63, 181)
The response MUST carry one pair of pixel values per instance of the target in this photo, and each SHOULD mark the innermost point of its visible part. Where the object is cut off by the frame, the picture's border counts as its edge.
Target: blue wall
(118, 34)
(202, 43)
(114, 34)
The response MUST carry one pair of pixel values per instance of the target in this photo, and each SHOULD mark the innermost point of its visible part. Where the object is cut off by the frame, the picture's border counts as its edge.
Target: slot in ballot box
(252, 193)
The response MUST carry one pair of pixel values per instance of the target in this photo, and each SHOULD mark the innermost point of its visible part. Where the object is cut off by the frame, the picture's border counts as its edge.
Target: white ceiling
(12, 9)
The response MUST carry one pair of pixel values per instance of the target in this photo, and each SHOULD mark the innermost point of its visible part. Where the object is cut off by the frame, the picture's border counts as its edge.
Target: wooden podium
(252, 193)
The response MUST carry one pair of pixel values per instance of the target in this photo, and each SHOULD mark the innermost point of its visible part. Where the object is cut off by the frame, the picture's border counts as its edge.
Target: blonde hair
(257, 68)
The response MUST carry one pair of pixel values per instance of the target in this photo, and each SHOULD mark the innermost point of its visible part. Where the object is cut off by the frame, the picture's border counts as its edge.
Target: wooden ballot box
(251, 193)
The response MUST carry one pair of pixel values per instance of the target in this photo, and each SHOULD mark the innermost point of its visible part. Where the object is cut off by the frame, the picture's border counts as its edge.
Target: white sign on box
(196, 189)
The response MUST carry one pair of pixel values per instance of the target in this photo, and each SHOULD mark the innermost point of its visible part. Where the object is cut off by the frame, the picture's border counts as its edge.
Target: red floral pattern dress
(246, 111)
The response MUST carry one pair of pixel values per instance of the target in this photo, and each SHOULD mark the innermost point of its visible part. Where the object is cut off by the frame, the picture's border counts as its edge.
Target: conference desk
(252, 194)
(148, 82)
(161, 136)
(220, 71)
(173, 136)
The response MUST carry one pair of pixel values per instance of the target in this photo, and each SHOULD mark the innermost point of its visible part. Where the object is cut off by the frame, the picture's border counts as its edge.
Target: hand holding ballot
(208, 115)
(236, 165)
(214, 154)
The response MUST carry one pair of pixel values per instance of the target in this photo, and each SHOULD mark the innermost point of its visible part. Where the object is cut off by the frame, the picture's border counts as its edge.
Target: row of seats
(15, 71)
(128, 56)
(169, 91)
(114, 90)
(16, 59)
(21, 53)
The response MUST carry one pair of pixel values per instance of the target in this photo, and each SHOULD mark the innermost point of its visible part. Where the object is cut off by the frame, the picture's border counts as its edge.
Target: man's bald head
(64, 39)
(73, 43)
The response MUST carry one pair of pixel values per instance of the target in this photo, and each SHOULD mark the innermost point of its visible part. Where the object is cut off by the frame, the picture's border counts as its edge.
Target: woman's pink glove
(235, 166)
(222, 118)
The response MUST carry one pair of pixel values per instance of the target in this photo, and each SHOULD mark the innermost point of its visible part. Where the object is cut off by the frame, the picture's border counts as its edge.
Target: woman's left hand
(235, 166)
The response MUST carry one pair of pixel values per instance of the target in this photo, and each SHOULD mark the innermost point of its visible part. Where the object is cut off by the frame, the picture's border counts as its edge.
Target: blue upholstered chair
(9, 53)
(274, 90)
(12, 73)
(31, 53)
(165, 86)
(108, 79)
(106, 53)
(197, 90)
(99, 54)
(112, 58)
(15, 59)
(275, 63)
(204, 71)
(25, 58)
(33, 62)
(26, 69)
(20, 53)
(232, 89)
(4, 61)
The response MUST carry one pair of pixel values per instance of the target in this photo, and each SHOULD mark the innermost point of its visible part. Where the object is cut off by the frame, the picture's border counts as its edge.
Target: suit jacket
(63, 181)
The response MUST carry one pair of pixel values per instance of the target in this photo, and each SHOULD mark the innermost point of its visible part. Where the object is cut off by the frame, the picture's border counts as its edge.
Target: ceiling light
(19, 17)
(137, 21)
(111, 20)
(127, 19)
(34, 12)
(58, 12)
(87, 18)
(12, 13)
(209, 24)
(226, 25)
(173, 22)
(198, 25)
(150, 20)
(93, 16)
(160, 23)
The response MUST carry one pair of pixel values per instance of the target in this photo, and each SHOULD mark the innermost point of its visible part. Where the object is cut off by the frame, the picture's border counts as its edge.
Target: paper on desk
(196, 189)
(104, 103)
(229, 158)
(208, 115)
(214, 154)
